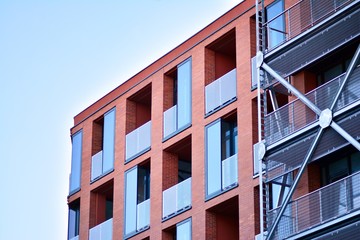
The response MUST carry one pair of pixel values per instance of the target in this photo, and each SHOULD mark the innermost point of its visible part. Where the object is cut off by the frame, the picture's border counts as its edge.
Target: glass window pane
(75, 175)
(338, 170)
(228, 86)
(109, 140)
(212, 96)
(184, 93)
(275, 195)
(355, 162)
(276, 27)
(225, 140)
(183, 230)
(130, 200)
(143, 215)
(74, 220)
(333, 73)
(170, 121)
(143, 187)
(235, 137)
(213, 158)
(96, 165)
(72, 223)
(131, 144)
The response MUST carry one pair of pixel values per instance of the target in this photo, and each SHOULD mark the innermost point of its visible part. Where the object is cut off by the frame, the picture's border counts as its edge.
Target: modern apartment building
(174, 152)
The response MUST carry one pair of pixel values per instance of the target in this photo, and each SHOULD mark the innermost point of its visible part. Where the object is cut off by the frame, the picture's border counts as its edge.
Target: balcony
(143, 215)
(295, 115)
(298, 18)
(220, 92)
(330, 203)
(229, 173)
(177, 199)
(75, 238)
(138, 141)
(295, 37)
(102, 231)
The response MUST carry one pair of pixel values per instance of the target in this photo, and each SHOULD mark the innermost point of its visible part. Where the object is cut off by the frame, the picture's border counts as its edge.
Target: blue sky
(57, 58)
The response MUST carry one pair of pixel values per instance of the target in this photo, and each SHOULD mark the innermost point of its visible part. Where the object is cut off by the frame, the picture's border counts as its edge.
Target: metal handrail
(323, 215)
(320, 189)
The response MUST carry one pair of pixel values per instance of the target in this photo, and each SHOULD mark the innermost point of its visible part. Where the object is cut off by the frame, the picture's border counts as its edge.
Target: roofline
(216, 25)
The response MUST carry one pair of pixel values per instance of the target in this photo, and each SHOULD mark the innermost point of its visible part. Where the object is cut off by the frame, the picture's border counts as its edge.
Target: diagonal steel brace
(313, 107)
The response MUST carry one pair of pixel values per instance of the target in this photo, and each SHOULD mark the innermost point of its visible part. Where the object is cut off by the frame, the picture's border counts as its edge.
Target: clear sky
(56, 58)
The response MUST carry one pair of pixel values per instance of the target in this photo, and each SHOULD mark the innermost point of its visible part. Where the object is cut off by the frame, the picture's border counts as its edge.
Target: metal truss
(325, 120)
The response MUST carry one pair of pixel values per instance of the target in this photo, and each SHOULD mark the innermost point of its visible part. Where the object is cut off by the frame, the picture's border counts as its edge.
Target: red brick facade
(207, 220)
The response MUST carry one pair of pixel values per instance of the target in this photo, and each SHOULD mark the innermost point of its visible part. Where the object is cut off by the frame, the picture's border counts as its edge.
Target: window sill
(176, 213)
(176, 132)
(102, 175)
(127, 236)
(214, 195)
(220, 107)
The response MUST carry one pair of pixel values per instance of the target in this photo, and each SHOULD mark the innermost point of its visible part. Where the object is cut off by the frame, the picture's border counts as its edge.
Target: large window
(103, 145)
(221, 156)
(276, 24)
(75, 176)
(177, 99)
(74, 220)
(137, 200)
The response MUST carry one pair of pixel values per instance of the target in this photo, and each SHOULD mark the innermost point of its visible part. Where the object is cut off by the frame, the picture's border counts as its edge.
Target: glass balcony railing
(143, 215)
(177, 198)
(96, 165)
(75, 238)
(102, 231)
(298, 18)
(295, 115)
(221, 91)
(229, 172)
(319, 207)
(138, 141)
(170, 121)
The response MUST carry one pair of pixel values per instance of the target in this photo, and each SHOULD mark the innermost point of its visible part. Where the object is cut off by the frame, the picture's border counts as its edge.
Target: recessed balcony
(220, 92)
(177, 199)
